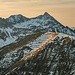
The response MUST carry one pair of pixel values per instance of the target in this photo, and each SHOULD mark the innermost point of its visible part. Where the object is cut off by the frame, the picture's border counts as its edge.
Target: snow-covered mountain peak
(19, 26)
(46, 14)
(16, 19)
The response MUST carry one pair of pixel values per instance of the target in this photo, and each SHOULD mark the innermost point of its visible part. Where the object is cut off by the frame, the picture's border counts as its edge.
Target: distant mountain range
(18, 26)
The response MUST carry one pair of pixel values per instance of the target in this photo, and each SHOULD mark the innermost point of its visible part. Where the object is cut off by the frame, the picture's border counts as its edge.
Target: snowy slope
(6, 36)
(44, 23)
(13, 19)
(18, 26)
(54, 45)
(12, 56)
(9, 58)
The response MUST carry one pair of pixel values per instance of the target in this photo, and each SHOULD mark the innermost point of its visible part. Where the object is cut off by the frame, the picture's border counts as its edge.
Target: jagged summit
(17, 19)
(47, 14)
(43, 16)
(17, 16)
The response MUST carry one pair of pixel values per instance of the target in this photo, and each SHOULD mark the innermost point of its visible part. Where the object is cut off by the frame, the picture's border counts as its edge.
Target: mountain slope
(18, 26)
(13, 19)
(19, 43)
(45, 60)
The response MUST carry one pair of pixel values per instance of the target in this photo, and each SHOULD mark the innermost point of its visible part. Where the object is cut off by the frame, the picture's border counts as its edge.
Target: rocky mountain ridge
(18, 26)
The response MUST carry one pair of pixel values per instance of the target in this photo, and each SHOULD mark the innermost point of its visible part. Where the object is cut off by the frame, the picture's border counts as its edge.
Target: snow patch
(8, 41)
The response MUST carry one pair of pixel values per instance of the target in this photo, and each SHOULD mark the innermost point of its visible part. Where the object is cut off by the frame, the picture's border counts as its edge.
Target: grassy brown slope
(19, 43)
